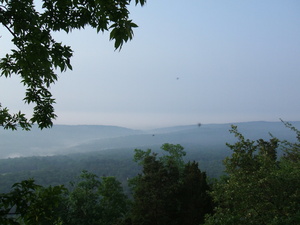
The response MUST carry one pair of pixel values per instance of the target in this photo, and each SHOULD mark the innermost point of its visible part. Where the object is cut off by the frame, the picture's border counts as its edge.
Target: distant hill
(108, 150)
(54, 140)
(65, 139)
(206, 135)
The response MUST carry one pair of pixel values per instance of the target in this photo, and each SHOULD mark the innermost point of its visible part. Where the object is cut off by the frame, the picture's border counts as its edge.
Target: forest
(257, 183)
(178, 176)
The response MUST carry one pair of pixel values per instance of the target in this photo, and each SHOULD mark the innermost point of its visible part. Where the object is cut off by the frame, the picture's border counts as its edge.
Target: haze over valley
(66, 139)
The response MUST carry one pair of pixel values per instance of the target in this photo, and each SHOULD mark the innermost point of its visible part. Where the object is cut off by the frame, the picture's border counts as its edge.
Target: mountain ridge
(65, 139)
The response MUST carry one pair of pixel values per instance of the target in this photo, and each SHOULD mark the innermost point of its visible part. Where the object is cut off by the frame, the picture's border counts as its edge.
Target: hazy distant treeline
(61, 169)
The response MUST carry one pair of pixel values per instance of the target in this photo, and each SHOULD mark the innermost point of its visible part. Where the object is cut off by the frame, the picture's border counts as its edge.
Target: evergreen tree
(193, 195)
(168, 188)
(154, 193)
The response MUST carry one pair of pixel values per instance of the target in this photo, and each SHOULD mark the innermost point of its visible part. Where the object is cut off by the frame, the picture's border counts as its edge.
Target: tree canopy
(90, 201)
(259, 188)
(93, 201)
(37, 55)
(169, 191)
(29, 203)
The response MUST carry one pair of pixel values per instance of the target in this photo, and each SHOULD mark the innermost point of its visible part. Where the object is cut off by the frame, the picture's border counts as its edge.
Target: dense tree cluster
(168, 191)
(91, 201)
(259, 188)
(29, 203)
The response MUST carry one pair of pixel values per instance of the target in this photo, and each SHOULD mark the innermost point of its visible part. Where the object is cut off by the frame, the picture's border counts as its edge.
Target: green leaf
(37, 55)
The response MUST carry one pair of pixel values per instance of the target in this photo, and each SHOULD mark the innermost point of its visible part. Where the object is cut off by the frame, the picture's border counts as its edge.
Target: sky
(190, 62)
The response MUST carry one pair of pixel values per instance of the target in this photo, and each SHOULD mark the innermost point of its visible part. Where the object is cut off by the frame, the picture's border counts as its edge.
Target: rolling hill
(65, 139)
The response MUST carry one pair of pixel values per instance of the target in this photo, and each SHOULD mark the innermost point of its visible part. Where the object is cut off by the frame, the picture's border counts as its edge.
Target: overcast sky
(190, 62)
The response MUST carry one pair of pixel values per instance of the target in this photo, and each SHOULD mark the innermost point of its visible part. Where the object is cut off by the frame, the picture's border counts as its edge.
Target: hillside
(58, 155)
(55, 140)
(63, 139)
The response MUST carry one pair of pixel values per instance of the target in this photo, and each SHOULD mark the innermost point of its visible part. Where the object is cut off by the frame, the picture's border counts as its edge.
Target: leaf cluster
(89, 202)
(37, 55)
(94, 201)
(258, 188)
(29, 203)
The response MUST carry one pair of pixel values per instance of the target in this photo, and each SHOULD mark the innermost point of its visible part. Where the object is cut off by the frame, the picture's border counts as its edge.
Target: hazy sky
(192, 61)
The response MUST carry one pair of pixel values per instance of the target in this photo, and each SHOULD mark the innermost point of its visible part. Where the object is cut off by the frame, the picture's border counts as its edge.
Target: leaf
(37, 55)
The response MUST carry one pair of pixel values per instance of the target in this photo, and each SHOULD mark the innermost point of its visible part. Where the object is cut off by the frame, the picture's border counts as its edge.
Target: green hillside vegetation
(165, 188)
(109, 150)
(260, 187)
(165, 185)
(61, 169)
